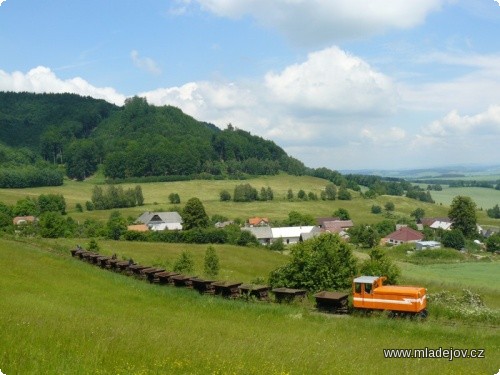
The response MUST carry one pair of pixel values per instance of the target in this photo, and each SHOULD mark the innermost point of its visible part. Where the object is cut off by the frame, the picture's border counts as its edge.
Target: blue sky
(346, 84)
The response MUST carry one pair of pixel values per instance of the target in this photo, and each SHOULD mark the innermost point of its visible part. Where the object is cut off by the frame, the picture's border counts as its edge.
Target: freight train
(368, 292)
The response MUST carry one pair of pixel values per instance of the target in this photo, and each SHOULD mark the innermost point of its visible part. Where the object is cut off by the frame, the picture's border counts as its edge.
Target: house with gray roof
(289, 235)
(161, 220)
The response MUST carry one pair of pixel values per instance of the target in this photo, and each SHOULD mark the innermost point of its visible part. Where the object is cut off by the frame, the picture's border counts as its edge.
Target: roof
(23, 219)
(291, 232)
(441, 224)
(428, 221)
(321, 220)
(257, 220)
(405, 234)
(366, 279)
(337, 226)
(260, 232)
(160, 217)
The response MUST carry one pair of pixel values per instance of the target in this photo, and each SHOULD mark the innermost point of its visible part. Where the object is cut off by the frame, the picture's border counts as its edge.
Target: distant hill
(443, 172)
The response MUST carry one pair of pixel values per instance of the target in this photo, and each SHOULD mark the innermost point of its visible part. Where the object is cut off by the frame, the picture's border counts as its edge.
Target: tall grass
(60, 315)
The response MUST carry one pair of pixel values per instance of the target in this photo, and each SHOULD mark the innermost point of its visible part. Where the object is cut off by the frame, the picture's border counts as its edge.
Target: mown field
(61, 315)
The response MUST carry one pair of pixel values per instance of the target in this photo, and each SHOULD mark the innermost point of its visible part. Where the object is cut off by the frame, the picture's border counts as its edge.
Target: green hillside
(61, 315)
(137, 140)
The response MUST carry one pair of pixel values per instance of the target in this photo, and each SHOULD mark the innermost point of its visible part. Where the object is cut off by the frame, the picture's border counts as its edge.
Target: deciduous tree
(463, 215)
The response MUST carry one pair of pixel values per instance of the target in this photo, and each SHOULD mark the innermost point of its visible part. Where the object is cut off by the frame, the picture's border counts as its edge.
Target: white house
(291, 235)
(161, 220)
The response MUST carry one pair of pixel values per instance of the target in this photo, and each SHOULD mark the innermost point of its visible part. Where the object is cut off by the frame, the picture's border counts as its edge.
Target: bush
(454, 239)
(211, 263)
(325, 262)
(245, 193)
(277, 245)
(224, 196)
(389, 206)
(342, 213)
(344, 194)
(493, 243)
(379, 264)
(376, 209)
(185, 263)
(174, 198)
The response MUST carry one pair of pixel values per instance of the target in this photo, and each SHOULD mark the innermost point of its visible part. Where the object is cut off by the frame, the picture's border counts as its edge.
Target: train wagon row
(368, 292)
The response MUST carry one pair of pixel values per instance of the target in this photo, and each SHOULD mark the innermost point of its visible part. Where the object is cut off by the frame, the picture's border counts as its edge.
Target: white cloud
(498, 2)
(477, 86)
(1, 1)
(316, 22)
(304, 103)
(453, 124)
(332, 80)
(41, 79)
(145, 63)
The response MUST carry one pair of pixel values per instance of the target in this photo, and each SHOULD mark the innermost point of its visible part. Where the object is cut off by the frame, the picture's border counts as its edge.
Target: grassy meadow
(484, 198)
(61, 315)
(156, 199)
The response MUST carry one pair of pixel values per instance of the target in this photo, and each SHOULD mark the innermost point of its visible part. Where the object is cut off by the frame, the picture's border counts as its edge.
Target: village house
(161, 220)
(435, 223)
(402, 235)
(258, 222)
(290, 235)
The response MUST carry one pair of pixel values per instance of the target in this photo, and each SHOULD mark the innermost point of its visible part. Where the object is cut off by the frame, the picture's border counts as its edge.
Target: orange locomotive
(369, 293)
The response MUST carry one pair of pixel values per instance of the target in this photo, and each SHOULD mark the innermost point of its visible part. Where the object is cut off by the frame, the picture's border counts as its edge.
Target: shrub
(454, 239)
(245, 193)
(211, 263)
(342, 213)
(389, 206)
(344, 194)
(323, 262)
(277, 245)
(376, 209)
(185, 263)
(224, 196)
(379, 264)
(493, 242)
(174, 198)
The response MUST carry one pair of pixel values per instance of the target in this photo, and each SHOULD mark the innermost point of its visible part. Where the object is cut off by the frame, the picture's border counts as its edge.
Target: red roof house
(258, 221)
(403, 235)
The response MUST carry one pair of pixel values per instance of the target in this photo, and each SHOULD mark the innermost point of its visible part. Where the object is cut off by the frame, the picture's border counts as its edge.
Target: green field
(156, 199)
(63, 316)
(484, 198)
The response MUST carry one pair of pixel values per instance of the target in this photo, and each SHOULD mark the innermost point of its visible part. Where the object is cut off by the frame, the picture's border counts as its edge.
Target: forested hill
(27, 119)
(136, 140)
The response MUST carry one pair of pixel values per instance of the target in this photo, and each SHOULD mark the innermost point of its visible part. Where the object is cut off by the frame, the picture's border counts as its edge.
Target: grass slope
(156, 199)
(60, 315)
